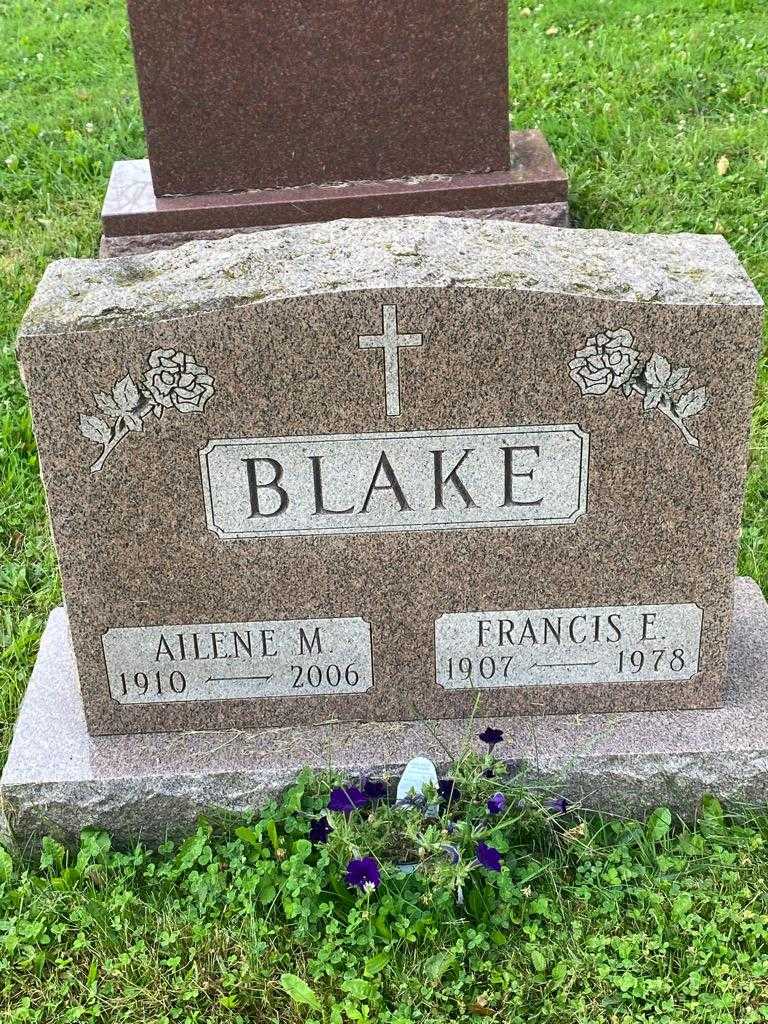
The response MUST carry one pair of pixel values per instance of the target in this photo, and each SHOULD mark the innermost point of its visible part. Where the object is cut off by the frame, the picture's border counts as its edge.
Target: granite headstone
(395, 470)
(262, 114)
(241, 96)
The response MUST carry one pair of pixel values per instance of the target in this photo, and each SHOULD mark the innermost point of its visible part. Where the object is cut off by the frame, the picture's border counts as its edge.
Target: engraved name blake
(346, 484)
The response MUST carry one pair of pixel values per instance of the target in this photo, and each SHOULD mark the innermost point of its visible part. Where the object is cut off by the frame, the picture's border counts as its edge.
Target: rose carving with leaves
(172, 380)
(611, 361)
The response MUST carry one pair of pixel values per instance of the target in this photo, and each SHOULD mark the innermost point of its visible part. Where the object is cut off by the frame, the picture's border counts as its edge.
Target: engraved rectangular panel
(237, 660)
(376, 483)
(562, 646)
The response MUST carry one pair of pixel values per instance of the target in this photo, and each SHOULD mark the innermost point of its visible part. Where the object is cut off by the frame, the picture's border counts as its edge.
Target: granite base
(59, 780)
(554, 215)
(134, 219)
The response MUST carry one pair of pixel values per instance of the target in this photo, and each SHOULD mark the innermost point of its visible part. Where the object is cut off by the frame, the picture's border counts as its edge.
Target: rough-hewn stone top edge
(410, 252)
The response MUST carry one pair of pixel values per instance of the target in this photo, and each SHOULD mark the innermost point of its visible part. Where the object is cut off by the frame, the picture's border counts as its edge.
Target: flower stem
(119, 431)
(665, 408)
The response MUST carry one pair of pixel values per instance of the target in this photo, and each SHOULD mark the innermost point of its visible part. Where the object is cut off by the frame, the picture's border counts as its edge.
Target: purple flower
(320, 830)
(559, 805)
(346, 799)
(488, 857)
(363, 874)
(497, 804)
(374, 790)
(449, 791)
(491, 737)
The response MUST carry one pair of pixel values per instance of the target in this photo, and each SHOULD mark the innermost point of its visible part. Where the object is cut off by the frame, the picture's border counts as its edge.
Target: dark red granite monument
(259, 114)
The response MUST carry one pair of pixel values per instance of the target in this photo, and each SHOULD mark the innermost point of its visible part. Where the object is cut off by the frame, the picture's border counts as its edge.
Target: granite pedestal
(243, 95)
(59, 780)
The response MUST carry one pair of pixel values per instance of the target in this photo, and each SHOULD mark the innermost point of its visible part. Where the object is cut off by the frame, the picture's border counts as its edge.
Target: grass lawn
(588, 923)
(659, 113)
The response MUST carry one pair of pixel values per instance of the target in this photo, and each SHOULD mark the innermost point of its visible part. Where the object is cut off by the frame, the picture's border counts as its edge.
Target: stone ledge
(59, 780)
(389, 253)
(533, 176)
(554, 215)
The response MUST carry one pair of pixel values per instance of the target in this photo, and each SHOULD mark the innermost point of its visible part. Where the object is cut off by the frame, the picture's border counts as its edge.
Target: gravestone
(258, 115)
(311, 488)
(382, 470)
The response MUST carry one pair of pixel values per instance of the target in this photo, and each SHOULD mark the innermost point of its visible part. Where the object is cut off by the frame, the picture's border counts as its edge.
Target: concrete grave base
(135, 220)
(59, 780)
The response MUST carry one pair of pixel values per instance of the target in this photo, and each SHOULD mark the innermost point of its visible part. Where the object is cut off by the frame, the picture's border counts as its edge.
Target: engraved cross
(391, 342)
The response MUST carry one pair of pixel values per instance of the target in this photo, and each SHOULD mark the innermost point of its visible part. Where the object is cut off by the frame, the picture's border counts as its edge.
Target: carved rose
(175, 379)
(172, 380)
(610, 360)
(607, 361)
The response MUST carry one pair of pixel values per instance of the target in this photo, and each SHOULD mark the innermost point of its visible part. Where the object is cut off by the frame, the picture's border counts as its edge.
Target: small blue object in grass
(497, 804)
(559, 805)
(346, 799)
(488, 857)
(320, 831)
(406, 869)
(363, 874)
(491, 736)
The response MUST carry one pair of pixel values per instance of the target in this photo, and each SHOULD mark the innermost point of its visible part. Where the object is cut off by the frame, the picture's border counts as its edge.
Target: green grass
(641, 101)
(64, 66)
(588, 923)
